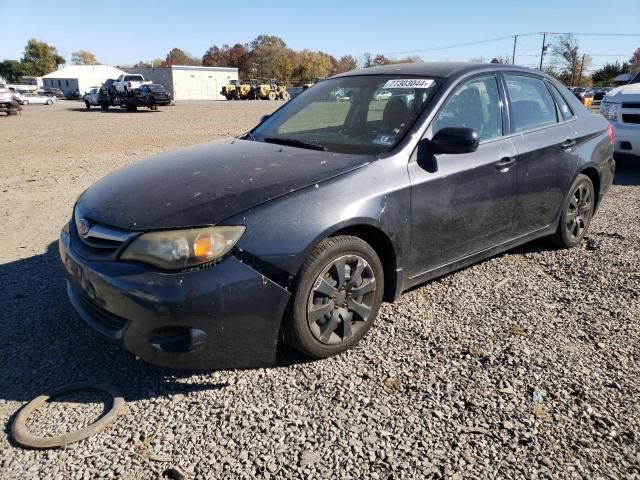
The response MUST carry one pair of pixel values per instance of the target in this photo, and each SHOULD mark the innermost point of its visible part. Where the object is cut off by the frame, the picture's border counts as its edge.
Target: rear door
(545, 141)
(463, 204)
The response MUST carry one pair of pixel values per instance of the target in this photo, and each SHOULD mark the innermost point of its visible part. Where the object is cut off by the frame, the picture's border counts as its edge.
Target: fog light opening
(178, 339)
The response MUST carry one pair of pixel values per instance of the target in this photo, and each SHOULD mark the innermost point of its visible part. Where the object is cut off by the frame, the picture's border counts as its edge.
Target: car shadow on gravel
(44, 344)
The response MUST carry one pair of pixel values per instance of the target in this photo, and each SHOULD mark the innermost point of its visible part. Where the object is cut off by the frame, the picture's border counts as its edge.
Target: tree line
(268, 56)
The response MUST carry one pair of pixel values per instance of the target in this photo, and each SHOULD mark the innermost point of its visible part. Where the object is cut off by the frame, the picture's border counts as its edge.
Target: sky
(391, 27)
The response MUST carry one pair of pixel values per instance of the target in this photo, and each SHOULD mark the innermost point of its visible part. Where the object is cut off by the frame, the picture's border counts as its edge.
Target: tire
(104, 106)
(285, 96)
(331, 302)
(49, 102)
(25, 102)
(577, 213)
(272, 96)
(86, 104)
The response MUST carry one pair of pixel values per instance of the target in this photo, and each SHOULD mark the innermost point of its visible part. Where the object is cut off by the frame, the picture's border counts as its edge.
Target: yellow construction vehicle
(247, 90)
(272, 90)
(230, 90)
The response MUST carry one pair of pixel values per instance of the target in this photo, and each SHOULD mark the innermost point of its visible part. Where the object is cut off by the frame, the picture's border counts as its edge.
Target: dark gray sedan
(208, 257)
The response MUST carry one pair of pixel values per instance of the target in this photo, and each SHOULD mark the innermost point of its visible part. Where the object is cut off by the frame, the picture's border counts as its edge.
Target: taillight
(611, 134)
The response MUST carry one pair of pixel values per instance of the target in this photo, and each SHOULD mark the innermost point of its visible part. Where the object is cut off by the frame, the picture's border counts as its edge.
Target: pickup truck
(128, 82)
(621, 106)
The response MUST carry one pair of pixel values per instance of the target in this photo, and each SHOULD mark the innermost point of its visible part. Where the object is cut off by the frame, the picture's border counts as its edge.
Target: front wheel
(577, 212)
(49, 102)
(337, 298)
(87, 105)
(25, 102)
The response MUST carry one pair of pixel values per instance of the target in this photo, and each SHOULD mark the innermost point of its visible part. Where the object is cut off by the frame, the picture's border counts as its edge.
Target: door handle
(568, 144)
(505, 164)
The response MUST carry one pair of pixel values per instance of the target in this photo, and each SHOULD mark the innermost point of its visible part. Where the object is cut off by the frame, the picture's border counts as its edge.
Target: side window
(565, 110)
(531, 103)
(476, 104)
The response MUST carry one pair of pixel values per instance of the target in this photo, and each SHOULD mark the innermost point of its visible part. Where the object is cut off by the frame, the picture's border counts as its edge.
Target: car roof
(438, 69)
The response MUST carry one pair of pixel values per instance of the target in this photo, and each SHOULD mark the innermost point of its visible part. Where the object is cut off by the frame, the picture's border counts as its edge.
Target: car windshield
(133, 78)
(366, 114)
(156, 88)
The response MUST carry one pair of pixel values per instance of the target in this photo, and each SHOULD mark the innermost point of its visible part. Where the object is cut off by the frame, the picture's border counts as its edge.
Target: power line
(458, 45)
(508, 37)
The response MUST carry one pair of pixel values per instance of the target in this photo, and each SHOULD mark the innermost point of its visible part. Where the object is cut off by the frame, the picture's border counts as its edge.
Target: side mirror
(455, 140)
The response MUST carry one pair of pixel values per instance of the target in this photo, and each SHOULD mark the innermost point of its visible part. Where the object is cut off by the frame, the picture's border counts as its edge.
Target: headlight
(610, 110)
(177, 249)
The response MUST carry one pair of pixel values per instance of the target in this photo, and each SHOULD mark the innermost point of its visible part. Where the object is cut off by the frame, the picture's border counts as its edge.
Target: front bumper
(224, 316)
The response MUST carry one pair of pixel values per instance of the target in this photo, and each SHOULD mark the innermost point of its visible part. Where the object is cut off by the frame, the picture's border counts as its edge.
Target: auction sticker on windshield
(409, 83)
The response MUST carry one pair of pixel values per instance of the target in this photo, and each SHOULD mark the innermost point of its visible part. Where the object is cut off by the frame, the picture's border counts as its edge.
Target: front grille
(631, 105)
(631, 117)
(99, 239)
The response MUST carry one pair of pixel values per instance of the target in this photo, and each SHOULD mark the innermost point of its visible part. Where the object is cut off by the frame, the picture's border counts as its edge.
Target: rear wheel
(577, 212)
(285, 96)
(49, 102)
(272, 95)
(25, 102)
(337, 298)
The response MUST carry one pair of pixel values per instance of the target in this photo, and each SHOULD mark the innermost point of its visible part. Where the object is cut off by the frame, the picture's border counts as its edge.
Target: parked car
(382, 95)
(152, 95)
(128, 83)
(18, 96)
(8, 103)
(585, 95)
(92, 98)
(73, 95)
(51, 92)
(206, 257)
(34, 98)
(621, 106)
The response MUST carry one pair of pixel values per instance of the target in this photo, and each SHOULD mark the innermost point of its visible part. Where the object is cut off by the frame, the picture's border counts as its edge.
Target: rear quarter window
(532, 105)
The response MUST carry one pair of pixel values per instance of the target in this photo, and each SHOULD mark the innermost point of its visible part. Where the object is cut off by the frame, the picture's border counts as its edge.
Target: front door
(463, 204)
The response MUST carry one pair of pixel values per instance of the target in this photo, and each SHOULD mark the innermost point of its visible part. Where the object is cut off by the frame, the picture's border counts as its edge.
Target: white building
(80, 77)
(189, 82)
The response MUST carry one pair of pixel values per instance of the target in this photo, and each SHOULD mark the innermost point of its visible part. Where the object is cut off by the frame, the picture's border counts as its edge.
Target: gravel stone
(444, 385)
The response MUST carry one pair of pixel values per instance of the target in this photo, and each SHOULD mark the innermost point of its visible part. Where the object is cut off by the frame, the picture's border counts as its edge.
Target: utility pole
(581, 67)
(573, 67)
(544, 48)
(515, 41)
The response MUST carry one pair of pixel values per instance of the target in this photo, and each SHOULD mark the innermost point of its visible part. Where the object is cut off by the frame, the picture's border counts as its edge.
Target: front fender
(283, 231)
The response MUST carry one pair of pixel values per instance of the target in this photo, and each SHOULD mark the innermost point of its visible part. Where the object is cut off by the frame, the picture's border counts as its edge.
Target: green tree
(11, 70)
(83, 57)
(40, 58)
(607, 74)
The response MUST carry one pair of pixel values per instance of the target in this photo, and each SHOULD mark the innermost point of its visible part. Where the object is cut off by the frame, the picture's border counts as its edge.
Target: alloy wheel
(341, 299)
(579, 211)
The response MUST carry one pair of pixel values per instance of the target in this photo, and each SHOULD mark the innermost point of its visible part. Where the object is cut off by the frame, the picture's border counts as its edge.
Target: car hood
(204, 184)
(624, 93)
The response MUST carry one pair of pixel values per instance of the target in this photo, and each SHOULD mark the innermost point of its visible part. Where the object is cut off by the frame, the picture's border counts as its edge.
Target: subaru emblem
(83, 226)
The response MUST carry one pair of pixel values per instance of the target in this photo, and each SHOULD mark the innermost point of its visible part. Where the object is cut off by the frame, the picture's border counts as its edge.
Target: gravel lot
(523, 366)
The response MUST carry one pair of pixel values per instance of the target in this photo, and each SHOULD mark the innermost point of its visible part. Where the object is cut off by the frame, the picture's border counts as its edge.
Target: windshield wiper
(292, 142)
